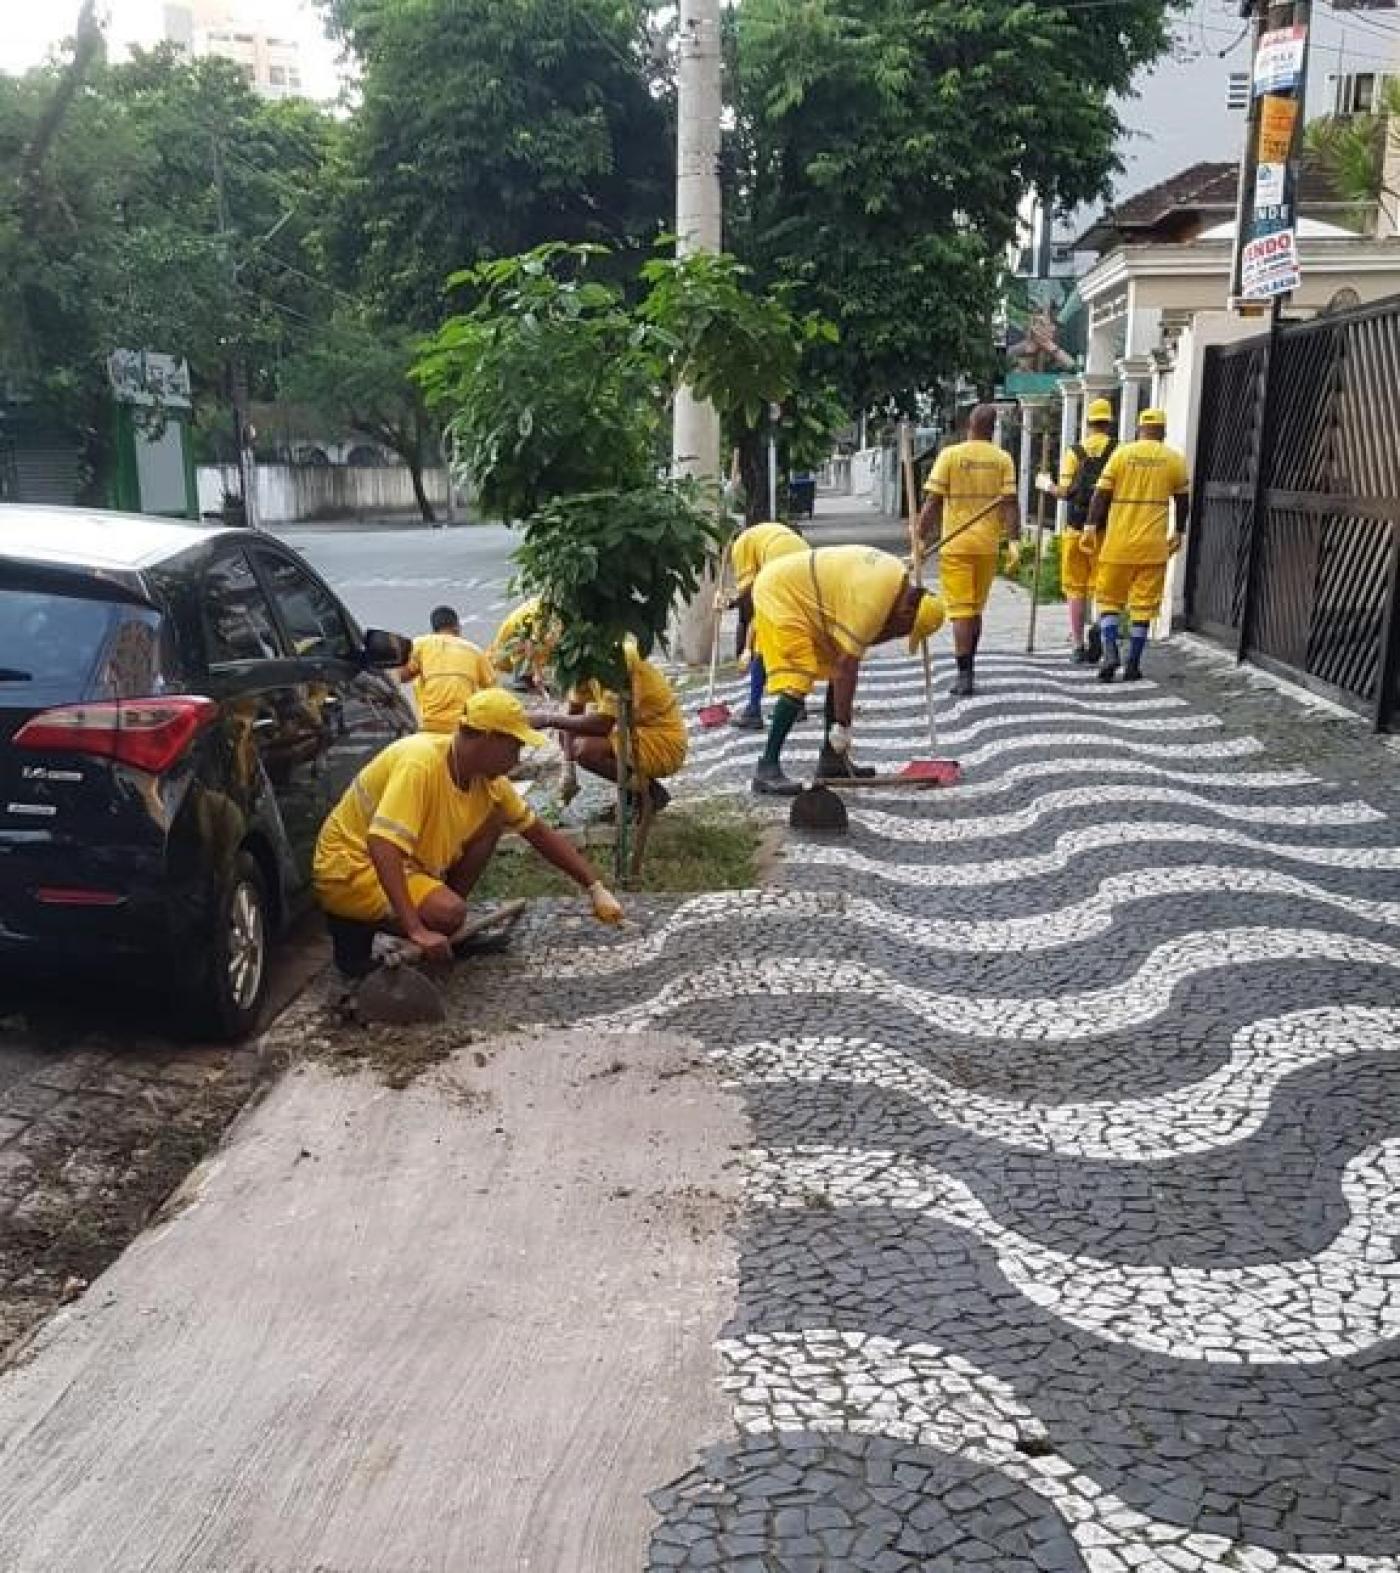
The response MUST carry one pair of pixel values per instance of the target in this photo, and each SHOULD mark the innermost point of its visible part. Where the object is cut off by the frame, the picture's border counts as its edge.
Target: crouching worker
(752, 551)
(659, 741)
(523, 647)
(405, 846)
(816, 614)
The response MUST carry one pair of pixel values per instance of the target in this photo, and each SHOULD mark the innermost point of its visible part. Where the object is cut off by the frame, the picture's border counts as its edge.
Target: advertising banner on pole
(1268, 231)
(1278, 67)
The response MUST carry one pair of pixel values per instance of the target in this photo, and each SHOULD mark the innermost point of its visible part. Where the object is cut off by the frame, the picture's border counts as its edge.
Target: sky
(28, 31)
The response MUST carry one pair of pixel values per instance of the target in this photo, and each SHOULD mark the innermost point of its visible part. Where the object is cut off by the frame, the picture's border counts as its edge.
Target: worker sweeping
(968, 478)
(445, 670)
(816, 614)
(1080, 467)
(407, 843)
(523, 646)
(659, 741)
(1133, 504)
(752, 551)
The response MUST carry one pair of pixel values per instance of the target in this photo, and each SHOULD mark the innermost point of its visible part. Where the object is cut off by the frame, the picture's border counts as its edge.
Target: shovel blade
(399, 997)
(712, 716)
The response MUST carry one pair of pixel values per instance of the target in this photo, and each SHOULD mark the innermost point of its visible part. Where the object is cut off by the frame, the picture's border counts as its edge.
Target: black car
(179, 709)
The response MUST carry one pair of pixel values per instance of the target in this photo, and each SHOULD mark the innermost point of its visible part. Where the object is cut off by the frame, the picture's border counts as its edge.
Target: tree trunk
(87, 42)
(420, 493)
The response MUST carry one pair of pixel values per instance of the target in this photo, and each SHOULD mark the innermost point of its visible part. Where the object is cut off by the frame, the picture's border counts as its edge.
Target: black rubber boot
(769, 781)
(1081, 657)
(1132, 673)
(1093, 642)
(963, 686)
(1108, 671)
(660, 797)
(834, 766)
(747, 720)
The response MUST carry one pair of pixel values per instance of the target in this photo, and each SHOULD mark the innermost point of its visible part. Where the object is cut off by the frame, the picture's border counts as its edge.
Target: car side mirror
(384, 651)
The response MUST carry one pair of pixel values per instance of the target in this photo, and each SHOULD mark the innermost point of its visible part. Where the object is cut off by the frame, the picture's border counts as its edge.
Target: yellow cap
(929, 620)
(1099, 410)
(494, 710)
(1153, 418)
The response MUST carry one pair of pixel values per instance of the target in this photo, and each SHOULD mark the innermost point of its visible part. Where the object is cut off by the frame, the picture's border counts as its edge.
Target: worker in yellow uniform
(752, 551)
(408, 841)
(523, 646)
(972, 508)
(1080, 467)
(1133, 505)
(816, 614)
(659, 741)
(445, 670)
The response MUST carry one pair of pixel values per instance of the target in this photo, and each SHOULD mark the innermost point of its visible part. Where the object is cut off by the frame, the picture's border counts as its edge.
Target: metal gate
(1295, 545)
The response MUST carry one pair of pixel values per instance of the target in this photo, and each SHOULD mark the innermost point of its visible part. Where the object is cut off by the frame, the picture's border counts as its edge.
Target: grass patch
(691, 850)
(1051, 589)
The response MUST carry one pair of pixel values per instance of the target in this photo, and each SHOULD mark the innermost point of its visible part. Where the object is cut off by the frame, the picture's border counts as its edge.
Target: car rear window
(56, 648)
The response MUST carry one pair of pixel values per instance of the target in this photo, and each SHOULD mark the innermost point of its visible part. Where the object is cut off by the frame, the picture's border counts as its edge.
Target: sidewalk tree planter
(556, 393)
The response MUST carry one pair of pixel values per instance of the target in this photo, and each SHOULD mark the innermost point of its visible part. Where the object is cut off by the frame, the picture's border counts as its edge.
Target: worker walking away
(752, 551)
(523, 647)
(659, 742)
(972, 506)
(1133, 507)
(407, 843)
(1080, 468)
(445, 670)
(816, 614)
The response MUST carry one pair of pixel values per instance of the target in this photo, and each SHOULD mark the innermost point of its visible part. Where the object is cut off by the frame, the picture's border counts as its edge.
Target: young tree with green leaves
(1361, 153)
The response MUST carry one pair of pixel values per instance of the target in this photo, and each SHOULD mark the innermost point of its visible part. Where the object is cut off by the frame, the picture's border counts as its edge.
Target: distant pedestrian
(445, 670)
(1133, 505)
(972, 506)
(1080, 467)
(752, 551)
(816, 614)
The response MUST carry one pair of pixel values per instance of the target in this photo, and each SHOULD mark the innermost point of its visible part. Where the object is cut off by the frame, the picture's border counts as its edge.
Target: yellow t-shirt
(842, 594)
(1142, 478)
(1094, 445)
(517, 629)
(407, 796)
(758, 546)
(446, 671)
(969, 476)
(655, 708)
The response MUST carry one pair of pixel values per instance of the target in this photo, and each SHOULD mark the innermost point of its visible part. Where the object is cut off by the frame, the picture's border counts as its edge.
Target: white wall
(293, 493)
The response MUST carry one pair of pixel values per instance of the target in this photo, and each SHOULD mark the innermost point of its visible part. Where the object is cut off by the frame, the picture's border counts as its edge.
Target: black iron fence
(1295, 545)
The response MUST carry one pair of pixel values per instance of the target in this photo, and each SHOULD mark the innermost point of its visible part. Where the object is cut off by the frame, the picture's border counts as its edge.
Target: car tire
(232, 990)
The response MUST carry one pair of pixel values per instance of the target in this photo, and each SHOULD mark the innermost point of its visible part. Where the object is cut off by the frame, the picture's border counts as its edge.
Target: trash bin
(802, 496)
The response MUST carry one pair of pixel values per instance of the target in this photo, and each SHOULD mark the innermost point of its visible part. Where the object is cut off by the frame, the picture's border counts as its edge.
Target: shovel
(714, 714)
(396, 994)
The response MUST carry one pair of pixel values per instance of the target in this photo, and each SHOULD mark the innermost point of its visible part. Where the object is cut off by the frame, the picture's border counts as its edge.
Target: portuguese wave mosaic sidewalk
(1072, 1236)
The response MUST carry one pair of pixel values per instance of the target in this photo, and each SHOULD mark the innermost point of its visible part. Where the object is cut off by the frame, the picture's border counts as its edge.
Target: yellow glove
(1013, 556)
(606, 907)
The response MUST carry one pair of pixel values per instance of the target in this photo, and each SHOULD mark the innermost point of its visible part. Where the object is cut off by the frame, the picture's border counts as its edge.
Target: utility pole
(699, 228)
(237, 366)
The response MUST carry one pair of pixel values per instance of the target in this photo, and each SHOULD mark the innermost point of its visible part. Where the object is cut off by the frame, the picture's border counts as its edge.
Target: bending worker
(409, 840)
(1133, 506)
(752, 551)
(522, 646)
(816, 613)
(445, 670)
(972, 508)
(1080, 469)
(659, 740)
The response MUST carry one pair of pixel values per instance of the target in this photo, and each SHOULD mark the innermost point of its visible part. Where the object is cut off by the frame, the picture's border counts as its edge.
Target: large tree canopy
(884, 148)
(488, 127)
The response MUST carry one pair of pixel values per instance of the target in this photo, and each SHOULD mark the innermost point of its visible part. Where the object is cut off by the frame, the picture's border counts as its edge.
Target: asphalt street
(392, 577)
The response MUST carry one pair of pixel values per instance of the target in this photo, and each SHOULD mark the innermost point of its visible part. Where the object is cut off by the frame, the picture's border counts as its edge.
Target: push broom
(714, 712)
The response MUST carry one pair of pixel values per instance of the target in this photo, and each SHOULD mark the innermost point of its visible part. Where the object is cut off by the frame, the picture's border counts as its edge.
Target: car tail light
(66, 896)
(150, 734)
